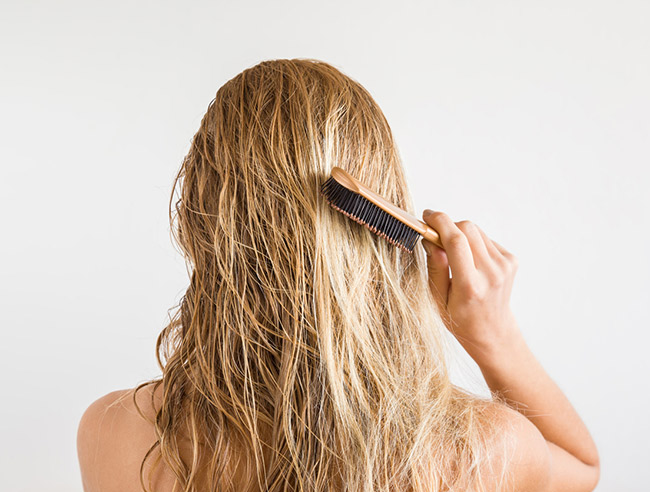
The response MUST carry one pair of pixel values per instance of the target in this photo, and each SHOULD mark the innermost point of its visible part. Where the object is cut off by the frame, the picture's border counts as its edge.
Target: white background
(529, 118)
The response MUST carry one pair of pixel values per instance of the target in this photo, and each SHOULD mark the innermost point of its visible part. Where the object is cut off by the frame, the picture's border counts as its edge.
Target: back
(113, 438)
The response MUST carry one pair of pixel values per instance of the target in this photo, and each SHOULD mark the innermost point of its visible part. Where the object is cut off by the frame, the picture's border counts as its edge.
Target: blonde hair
(307, 351)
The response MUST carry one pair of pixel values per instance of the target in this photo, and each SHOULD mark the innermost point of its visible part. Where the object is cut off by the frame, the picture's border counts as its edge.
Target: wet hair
(307, 353)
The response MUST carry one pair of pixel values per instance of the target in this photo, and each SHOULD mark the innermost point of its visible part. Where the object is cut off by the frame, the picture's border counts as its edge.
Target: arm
(475, 305)
(512, 371)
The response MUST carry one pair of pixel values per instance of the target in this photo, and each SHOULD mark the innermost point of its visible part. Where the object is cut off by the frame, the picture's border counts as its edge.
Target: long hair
(307, 353)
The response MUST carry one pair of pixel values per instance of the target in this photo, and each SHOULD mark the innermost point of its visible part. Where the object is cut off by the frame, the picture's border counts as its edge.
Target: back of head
(305, 346)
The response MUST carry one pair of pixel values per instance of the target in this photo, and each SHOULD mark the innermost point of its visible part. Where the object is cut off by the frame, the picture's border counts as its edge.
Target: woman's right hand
(475, 301)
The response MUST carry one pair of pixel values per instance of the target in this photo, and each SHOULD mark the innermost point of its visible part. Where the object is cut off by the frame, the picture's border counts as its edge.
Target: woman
(308, 353)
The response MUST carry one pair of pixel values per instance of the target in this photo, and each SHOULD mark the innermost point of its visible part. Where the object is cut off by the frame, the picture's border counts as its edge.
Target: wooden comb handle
(347, 180)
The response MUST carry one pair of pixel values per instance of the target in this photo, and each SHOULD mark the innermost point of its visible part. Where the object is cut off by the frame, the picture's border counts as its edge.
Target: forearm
(511, 370)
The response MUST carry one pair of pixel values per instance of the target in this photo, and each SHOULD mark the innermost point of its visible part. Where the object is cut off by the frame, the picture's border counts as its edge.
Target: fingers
(503, 251)
(489, 244)
(511, 259)
(477, 244)
(438, 271)
(498, 252)
(495, 249)
(457, 247)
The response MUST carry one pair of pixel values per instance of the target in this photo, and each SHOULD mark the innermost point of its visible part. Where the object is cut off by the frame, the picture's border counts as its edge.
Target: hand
(475, 301)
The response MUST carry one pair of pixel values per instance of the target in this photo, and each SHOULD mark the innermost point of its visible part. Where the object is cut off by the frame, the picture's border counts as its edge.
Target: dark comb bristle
(363, 211)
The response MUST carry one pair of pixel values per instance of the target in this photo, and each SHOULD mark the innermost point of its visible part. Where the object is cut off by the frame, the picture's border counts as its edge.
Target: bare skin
(553, 449)
(113, 438)
(476, 298)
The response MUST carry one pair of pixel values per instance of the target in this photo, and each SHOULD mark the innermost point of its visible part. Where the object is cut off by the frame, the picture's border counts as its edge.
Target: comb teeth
(366, 213)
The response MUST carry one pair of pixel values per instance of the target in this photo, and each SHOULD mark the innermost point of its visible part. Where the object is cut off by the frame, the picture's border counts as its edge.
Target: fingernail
(427, 247)
(427, 212)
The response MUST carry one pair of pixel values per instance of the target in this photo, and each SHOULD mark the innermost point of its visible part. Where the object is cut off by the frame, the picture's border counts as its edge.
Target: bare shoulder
(520, 449)
(113, 436)
(533, 463)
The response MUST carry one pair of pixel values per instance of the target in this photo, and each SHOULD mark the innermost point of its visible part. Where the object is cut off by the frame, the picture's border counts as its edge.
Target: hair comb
(354, 199)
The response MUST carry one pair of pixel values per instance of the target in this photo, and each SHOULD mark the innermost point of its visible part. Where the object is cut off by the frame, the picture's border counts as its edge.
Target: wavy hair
(307, 353)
